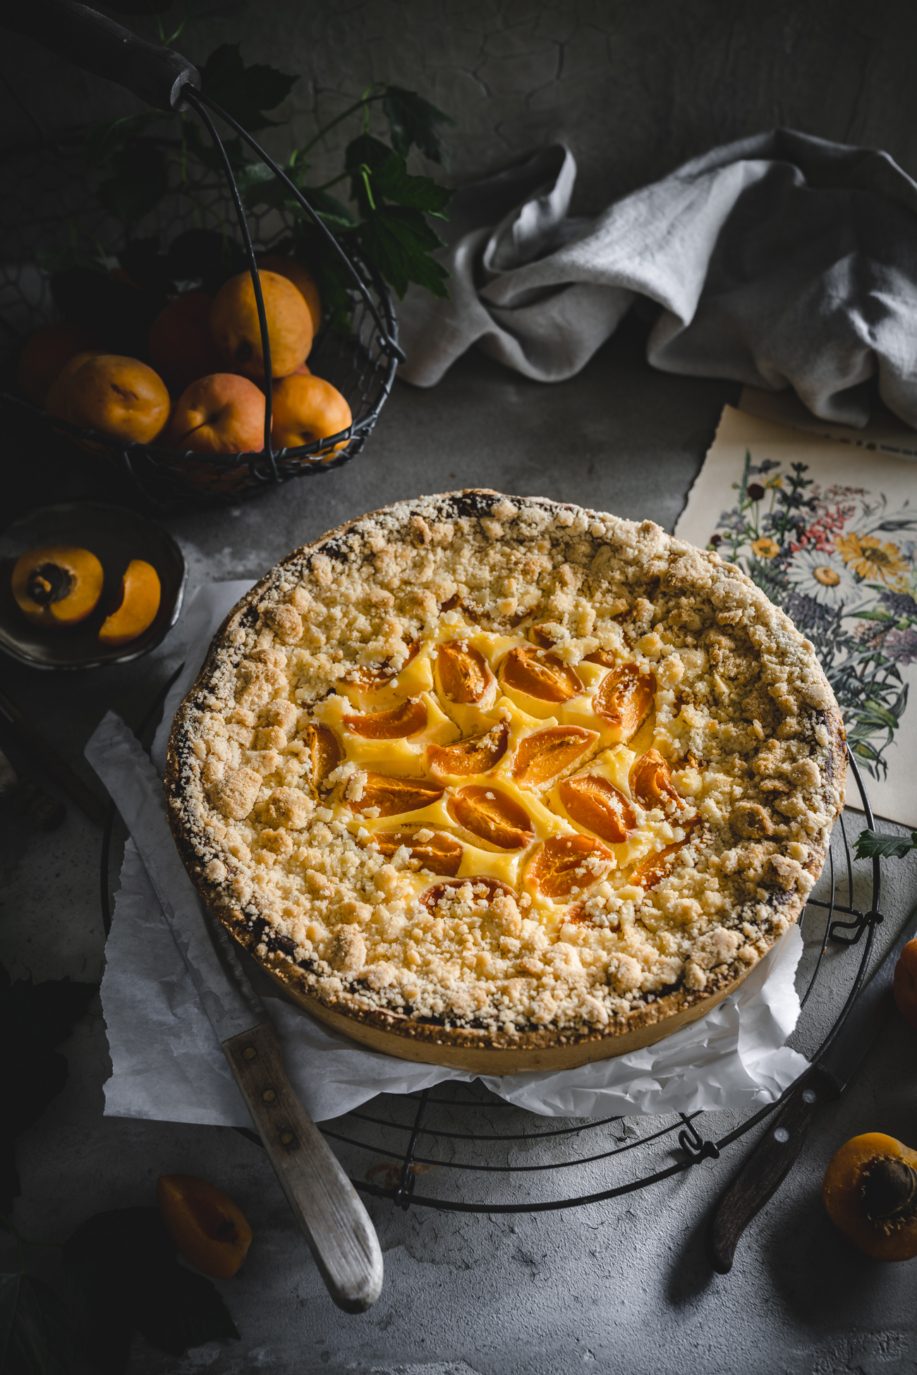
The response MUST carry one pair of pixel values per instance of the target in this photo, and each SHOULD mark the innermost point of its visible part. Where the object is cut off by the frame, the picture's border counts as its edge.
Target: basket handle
(96, 43)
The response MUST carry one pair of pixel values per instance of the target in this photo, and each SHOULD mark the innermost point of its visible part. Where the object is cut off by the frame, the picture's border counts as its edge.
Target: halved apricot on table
(474, 754)
(437, 851)
(595, 803)
(463, 673)
(547, 753)
(540, 674)
(564, 863)
(491, 816)
(625, 698)
(57, 585)
(393, 724)
(140, 597)
(870, 1193)
(388, 795)
(208, 1227)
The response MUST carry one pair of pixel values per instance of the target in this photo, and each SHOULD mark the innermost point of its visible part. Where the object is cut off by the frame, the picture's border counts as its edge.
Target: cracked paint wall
(635, 88)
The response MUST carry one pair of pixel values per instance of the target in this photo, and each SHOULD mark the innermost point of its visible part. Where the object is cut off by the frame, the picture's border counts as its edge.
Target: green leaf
(871, 616)
(34, 1018)
(399, 242)
(413, 122)
(138, 181)
(244, 92)
(871, 845)
(35, 1328)
(124, 1267)
(393, 182)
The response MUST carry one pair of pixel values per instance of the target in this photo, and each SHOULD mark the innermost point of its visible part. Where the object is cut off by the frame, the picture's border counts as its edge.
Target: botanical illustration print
(842, 562)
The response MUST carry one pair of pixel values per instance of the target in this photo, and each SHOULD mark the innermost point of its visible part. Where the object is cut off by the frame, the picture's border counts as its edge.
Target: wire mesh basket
(358, 357)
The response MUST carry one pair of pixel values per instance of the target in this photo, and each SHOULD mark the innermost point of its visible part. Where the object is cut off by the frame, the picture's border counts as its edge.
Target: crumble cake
(505, 783)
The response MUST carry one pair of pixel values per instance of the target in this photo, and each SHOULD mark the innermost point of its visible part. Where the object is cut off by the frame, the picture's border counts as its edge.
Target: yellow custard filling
(542, 795)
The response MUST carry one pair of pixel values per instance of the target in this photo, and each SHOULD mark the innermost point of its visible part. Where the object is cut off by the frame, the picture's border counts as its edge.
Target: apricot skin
(141, 594)
(219, 414)
(236, 332)
(180, 347)
(208, 1228)
(306, 408)
(302, 279)
(905, 983)
(116, 395)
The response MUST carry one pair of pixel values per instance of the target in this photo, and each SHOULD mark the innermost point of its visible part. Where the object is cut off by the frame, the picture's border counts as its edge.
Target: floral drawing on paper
(842, 562)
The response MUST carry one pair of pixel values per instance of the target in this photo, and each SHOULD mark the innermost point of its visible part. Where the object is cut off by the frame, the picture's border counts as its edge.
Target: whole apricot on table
(180, 347)
(905, 983)
(301, 278)
(209, 1229)
(116, 395)
(307, 408)
(141, 594)
(57, 585)
(870, 1193)
(45, 353)
(219, 414)
(236, 331)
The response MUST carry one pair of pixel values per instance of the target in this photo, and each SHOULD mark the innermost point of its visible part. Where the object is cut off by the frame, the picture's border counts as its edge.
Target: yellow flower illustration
(873, 560)
(765, 547)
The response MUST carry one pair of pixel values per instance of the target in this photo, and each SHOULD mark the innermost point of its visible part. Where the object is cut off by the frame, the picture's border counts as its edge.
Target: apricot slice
(541, 636)
(651, 782)
(57, 585)
(378, 677)
(540, 675)
(483, 891)
(625, 698)
(474, 754)
(325, 752)
(492, 816)
(464, 674)
(547, 753)
(437, 851)
(141, 594)
(563, 863)
(235, 328)
(208, 1227)
(654, 868)
(394, 724)
(388, 795)
(595, 803)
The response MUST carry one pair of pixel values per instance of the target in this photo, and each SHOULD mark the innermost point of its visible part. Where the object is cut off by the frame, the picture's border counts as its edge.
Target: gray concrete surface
(618, 1286)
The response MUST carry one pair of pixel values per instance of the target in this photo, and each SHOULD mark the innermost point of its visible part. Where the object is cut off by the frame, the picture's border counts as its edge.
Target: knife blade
(768, 1163)
(324, 1201)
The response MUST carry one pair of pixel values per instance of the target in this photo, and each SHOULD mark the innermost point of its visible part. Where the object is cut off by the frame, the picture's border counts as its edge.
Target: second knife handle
(326, 1205)
(767, 1165)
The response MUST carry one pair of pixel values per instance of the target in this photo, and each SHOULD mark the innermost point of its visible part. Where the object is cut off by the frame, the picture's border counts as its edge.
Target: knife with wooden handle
(769, 1162)
(324, 1201)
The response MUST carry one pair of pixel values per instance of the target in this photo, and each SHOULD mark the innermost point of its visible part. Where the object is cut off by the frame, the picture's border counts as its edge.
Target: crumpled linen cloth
(777, 261)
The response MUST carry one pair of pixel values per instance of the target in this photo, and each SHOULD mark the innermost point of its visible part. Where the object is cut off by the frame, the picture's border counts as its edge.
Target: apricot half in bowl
(127, 546)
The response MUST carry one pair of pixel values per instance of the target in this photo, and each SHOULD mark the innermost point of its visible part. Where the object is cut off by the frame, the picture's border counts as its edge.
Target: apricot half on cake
(58, 585)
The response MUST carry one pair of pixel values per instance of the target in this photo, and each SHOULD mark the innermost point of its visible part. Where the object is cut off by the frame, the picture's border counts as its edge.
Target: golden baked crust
(660, 670)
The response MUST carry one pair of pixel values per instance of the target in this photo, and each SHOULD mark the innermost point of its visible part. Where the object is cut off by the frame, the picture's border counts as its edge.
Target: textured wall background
(635, 88)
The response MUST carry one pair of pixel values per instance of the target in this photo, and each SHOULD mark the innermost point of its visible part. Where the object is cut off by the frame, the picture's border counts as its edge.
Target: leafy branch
(383, 212)
(871, 845)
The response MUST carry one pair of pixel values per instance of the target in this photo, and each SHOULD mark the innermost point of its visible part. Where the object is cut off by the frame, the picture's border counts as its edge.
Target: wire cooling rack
(459, 1148)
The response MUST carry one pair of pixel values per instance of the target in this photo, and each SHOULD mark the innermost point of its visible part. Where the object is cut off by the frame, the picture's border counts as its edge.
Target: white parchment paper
(167, 1064)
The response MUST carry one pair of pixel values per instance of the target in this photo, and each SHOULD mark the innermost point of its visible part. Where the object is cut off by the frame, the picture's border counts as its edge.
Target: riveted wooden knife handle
(766, 1166)
(325, 1203)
